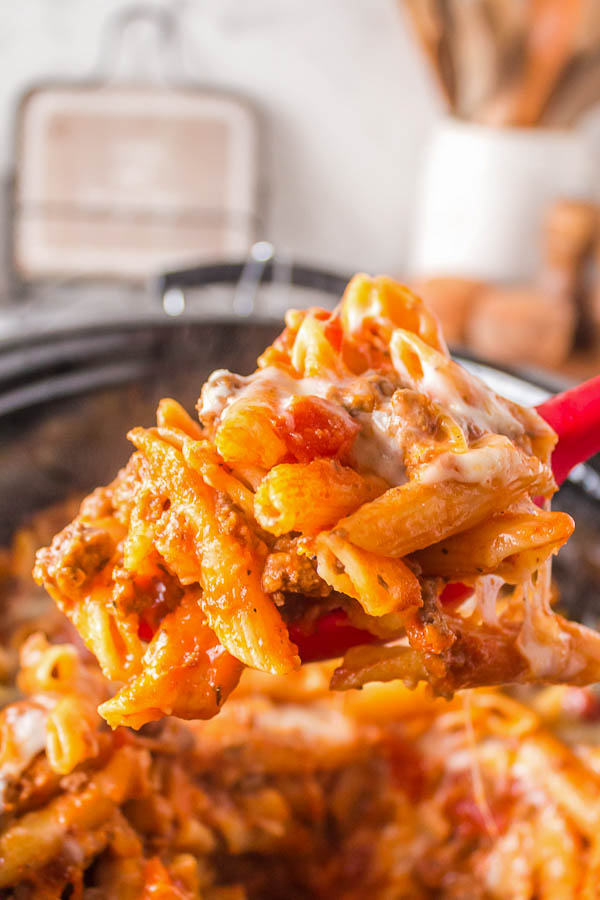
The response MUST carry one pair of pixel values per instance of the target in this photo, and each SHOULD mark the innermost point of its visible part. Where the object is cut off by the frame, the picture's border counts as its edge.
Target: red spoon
(574, 415)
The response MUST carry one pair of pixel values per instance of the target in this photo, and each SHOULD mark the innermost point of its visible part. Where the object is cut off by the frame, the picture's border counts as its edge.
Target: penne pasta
(48, 667)
(242, 616)
(423, 512)
(201, 457)
(247, 434)
(189, 678)
(113, 638)
(171, 414)
(313, 354)
(71, 734)
(39, 837)
(381, 585)
(512, 544)
(310, 497)
(358, 477)
(381, 299)
(364, 664)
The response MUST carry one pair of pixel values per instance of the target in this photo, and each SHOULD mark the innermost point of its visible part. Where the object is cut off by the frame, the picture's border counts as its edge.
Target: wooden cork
(522, 326)
(569, 231)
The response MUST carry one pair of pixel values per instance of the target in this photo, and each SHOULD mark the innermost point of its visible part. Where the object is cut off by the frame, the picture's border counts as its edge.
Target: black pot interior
(74, 442)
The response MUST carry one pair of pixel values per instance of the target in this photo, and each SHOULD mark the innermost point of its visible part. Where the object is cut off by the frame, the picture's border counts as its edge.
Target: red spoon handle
(575, 416)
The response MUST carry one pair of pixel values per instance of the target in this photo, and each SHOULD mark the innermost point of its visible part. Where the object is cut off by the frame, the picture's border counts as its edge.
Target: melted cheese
(24, 737)
(216, 393)
(376, 449)
(321, 725)
(465, 397)
(480, 465)
(272, 384)
(486, 412)
(547, 647)
(487, 589)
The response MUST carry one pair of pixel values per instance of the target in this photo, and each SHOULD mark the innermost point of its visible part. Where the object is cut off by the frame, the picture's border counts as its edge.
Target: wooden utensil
(508, 20)
(577, 90)
(429, 22)
(512, 62)
(551, 29)
(475, 54)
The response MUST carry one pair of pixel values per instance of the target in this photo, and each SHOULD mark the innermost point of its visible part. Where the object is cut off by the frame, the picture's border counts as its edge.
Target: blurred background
(454, 144)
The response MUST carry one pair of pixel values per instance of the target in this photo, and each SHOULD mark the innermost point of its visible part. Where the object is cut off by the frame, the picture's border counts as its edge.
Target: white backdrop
(346, 101)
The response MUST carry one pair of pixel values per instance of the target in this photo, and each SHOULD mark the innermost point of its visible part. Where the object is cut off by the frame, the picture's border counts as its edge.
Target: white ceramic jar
(483, 195)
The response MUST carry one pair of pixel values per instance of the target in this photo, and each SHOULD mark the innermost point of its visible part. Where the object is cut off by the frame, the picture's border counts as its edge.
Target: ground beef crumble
(286, 570)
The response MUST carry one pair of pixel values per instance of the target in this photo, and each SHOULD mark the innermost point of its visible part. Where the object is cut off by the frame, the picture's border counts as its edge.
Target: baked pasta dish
(362, 479)
(359, 470)
(292, 792)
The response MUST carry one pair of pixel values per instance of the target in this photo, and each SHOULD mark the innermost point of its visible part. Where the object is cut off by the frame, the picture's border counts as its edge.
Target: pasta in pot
(294, 791)
(358, 467)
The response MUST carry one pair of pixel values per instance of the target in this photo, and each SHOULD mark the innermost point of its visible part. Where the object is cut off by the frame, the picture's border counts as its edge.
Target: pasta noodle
(186, 672)
(380, 584)
(513, 544)
(358, 468)
(283, 792)
(242, 616)
(284, 499)
(423, 512)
